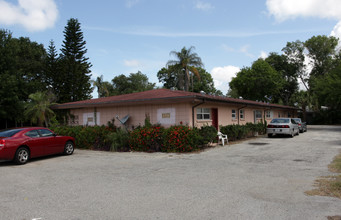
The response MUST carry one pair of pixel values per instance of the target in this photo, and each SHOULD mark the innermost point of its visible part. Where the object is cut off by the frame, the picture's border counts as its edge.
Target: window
(268, 114)
(74, 119)
(91, 119)
(9, 132)
(45, 133)
(241, 114)
(32, 134)
(234, 114)
(280, 120)
(258, 114)
(203, 113)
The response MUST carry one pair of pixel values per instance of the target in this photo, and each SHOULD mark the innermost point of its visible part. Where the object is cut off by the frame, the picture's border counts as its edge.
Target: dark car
(22, 144)
(302, 126)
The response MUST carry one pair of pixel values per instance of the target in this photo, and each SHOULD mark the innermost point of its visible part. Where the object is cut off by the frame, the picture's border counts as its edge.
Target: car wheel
(69, 148)
(21, 156)
(292, 134)
(269, 135)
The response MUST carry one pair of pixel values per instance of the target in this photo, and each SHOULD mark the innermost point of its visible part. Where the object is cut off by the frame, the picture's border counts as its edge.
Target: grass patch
(329, 185)
(335, 166)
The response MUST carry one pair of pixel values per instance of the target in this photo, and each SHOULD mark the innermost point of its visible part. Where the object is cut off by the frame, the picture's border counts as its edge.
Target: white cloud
(222, 76)
(203, 6)
(157, 31)
(243, 49)
(263, 55)
(132, 63)
(336, 32)
(34, 15)
(131, 3)
(290, 9)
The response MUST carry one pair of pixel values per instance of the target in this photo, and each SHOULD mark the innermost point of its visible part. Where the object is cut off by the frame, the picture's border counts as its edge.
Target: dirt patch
(329, 185)
(336, 217)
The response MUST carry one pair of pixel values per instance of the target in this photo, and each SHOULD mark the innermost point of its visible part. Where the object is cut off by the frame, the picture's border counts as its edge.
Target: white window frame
(234, 114)
(258, 113)
(203, 114)
(241, 114)
(92, 117)
(269, 114)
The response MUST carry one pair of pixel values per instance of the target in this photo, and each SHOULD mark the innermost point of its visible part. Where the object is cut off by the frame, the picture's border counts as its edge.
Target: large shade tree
(288, 73)
(313, 59)
(259, 82)
(135, 82)
(185, 66)
(21, 73)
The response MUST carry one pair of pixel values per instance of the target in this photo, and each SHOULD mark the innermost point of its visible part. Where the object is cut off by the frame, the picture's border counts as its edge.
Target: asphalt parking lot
(262, 178)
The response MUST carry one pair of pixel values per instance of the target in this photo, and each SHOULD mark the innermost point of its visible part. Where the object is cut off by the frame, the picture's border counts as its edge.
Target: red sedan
(21, 144)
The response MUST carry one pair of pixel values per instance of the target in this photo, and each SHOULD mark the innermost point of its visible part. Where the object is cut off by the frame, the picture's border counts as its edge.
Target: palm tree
(103, 87)
(38, 108)
(185, 66)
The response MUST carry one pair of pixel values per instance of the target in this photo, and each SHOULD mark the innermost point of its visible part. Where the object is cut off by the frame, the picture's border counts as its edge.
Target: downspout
(239, 110)
(269, 109)
(193, 107)
(264, 116)
(95, 115)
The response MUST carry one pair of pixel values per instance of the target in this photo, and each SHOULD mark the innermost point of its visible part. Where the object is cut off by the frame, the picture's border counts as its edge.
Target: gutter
(193, 107)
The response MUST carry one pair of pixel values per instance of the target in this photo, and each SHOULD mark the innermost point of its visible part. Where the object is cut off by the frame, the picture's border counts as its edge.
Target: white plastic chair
(223, 137)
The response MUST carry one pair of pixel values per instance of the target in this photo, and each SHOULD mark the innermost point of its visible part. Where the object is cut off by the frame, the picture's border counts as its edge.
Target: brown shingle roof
(158, 96)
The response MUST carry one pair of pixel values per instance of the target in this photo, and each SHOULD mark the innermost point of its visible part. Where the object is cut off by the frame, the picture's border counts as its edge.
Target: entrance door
(215, 118)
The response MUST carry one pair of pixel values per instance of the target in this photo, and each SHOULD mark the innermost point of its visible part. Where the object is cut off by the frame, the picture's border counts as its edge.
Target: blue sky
(126, 36)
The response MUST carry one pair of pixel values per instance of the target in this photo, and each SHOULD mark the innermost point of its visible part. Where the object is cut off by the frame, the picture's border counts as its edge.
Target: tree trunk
(186, 80)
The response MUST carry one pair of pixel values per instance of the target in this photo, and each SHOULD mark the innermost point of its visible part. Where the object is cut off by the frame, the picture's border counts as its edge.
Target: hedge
(154, 138)
(238, 132)
(87, 137)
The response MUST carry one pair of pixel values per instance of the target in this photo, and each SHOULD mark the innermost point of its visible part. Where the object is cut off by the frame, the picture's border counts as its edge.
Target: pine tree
(52, 69)
(75, 68)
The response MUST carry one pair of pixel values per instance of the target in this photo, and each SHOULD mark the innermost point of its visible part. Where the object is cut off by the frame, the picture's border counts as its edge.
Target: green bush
(87, 137)
(181, 138)
(148, 139)
(238, 132)
(153, 138)
(119, 140)
(234, 132)
(208, 134)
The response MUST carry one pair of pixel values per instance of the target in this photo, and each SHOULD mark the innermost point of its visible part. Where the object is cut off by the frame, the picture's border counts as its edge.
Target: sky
(127, 36)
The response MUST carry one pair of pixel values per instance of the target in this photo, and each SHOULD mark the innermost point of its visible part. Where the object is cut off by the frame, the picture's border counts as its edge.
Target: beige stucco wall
(225, 114)
(170, 114)
(166, 114)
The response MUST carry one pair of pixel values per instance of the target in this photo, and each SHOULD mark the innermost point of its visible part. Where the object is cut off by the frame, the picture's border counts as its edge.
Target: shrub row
(177, 138)
(87, 137)
(238, 132)
(154, 138)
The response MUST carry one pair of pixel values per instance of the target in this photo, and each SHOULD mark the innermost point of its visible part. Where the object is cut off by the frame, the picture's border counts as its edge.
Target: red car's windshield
(9, 132)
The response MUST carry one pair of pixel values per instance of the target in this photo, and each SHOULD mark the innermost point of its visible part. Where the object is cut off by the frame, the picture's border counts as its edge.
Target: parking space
(262, 178)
